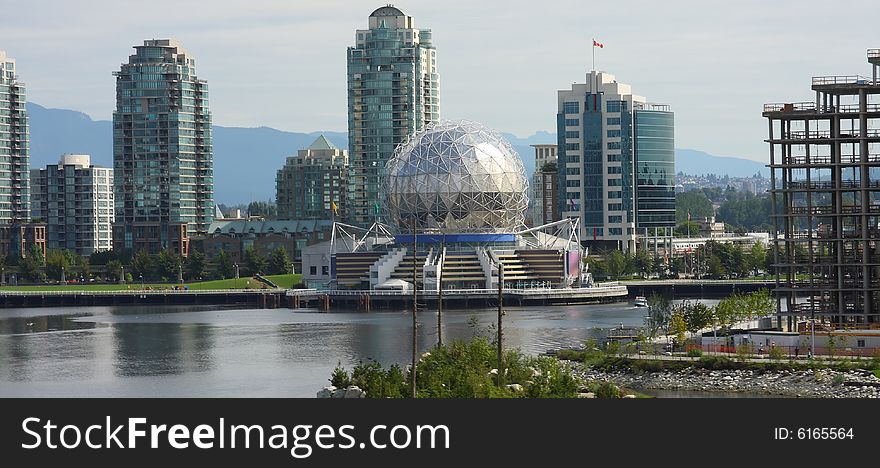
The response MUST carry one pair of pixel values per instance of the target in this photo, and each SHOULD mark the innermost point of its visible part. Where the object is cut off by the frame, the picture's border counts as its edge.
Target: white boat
(640, 301)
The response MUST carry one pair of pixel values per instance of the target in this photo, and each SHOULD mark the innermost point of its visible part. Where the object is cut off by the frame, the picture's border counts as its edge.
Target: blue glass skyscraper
(616, 163)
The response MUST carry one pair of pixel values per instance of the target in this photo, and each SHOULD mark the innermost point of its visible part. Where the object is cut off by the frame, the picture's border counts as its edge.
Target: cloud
(281, 63)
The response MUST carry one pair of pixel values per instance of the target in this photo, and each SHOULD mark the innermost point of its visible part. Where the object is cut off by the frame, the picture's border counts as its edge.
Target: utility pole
(440, 291)
(414, 309)
(500, 313)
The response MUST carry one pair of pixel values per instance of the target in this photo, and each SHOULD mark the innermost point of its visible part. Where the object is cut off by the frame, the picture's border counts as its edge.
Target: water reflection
(147, 349)
(206, 351)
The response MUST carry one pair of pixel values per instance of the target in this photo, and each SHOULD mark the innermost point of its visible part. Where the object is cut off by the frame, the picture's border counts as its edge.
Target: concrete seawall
(259, 298)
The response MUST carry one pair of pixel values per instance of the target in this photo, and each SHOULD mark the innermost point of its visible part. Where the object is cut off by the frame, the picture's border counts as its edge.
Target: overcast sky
(281, 63)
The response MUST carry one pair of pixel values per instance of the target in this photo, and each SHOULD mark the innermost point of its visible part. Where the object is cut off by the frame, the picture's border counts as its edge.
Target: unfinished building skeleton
(825, 164)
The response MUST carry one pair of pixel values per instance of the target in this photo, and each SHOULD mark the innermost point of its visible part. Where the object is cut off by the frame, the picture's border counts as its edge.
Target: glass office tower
(616, 163)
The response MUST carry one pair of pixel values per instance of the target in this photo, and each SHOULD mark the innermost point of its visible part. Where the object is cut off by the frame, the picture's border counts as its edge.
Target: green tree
(143, 264)
(739, 264)
(659, 314)
(615, 263)
(225, 269)
(698, 316)
(114, 271)
(694, 202)
(678, 266)
(597, 267)
(758, 257)
(264, 209)
(254, 262)
(727, 311)
(59, 261)
(715, 267)
(31, 266)
(687, 229)
(81, 267)
(642, 263)
(168, 265)
(196, 266)
(759, 304)
(279, 262)
(678, 325)
(746, 212)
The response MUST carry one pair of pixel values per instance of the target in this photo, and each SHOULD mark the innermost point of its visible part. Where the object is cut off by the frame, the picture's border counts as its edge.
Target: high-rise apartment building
(825, 186)
(162, 153)
(14, 164)
(75, 200)
(312, 185)
(392, 92)
(544, 206)
(616, 163)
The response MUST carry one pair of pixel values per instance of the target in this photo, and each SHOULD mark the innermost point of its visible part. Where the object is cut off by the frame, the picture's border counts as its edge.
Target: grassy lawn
(876, 373)
(283, 281)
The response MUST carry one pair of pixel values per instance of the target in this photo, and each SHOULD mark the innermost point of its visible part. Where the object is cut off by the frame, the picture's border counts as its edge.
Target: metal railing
(138, 292)
(789, 106)
(800, 134)
(840, 80)
(462, 292)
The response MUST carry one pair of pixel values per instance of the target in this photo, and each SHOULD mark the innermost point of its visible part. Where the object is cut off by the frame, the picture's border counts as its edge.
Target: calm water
(194, 352)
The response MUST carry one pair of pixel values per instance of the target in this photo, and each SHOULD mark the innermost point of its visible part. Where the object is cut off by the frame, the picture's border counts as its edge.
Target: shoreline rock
(824, 383)
(352, 391)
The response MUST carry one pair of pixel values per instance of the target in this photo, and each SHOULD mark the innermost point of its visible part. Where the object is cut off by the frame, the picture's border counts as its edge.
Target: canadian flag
(597, 44)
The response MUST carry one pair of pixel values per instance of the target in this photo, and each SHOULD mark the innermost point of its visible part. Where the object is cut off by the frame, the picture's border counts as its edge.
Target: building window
(572, 146)
(615, 231)
(615, 207)
(572, 122)
(614, 170)
(615, 219)
(613, 133)
(615, 182)
(613, 120)
(614, 145)
(313, 270)
(325, 270)
(860, 343)
(572, 183)
(573, 171)
(571, 107)
(572, 134)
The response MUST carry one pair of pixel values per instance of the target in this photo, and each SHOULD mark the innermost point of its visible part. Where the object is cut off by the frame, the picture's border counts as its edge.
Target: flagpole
(594, 54)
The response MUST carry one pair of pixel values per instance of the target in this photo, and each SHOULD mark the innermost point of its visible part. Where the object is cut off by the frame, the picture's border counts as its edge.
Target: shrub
(339, 378)
(695, 352)
(607, 390)
(465, 370)
(743, 352)
(837, 380)
(776, 353)
(377, 382)
(715, 362)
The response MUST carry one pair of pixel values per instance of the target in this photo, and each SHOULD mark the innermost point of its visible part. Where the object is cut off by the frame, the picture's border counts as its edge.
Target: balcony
(837, 80)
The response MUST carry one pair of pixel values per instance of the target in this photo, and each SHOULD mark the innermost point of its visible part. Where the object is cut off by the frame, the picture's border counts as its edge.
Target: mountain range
(246, 159)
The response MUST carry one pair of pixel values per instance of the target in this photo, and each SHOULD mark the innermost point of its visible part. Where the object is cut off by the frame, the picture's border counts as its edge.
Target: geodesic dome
(456, 176)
